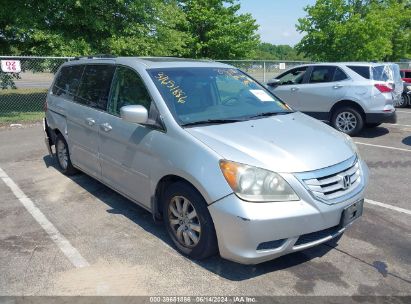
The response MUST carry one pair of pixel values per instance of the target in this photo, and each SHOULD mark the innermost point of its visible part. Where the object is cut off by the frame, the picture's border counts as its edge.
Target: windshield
(214, 94)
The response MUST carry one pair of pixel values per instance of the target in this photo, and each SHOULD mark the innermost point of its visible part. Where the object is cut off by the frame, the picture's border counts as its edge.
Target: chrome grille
(334, 185)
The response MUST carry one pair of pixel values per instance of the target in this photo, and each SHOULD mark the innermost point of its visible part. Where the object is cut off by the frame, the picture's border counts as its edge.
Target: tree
(344, 30)
(270, 51)
(79, 27)
(197, 28)
(217, 30)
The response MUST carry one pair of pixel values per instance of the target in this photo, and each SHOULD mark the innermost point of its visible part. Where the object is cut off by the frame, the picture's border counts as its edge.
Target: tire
(347, 120)
(403, 102)
(373, 125)
(63, 156)
(408, 104)
(179, 224)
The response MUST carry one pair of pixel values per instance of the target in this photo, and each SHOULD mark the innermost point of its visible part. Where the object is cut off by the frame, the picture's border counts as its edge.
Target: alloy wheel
(402, 101)
(346, 121)
(62, 154)
(184, 221)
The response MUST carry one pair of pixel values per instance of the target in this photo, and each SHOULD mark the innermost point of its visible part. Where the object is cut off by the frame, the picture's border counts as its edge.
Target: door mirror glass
(273, 82)
(134, 114)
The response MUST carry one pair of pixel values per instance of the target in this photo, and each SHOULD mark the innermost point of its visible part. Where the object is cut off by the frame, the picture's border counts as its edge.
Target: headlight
(409, 88)
(352, 145)
(255, 184)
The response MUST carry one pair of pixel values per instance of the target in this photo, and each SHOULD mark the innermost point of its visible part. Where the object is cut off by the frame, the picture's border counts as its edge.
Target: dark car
(406, 95)
(406, 75)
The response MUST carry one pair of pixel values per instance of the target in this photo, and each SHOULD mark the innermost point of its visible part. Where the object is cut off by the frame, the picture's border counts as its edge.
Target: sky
(277, 18)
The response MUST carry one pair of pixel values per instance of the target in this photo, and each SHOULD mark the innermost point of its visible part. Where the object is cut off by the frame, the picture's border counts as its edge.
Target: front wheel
(188, 221)
(347, 120)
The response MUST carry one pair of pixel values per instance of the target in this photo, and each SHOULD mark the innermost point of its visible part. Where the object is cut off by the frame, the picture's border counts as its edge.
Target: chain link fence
(22, 94)
(263, 70)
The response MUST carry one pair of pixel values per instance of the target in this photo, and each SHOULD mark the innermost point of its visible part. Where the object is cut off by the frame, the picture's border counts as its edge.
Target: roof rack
(98, 56)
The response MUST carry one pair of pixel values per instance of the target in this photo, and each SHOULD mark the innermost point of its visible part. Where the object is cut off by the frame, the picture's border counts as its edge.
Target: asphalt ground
(104, 244)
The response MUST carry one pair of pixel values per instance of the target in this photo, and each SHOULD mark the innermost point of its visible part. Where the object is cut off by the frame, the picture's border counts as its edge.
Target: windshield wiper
(266, 114)
(210, 121)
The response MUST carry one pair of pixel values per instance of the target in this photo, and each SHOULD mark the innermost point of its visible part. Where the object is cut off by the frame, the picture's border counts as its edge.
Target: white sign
(282, 65)
(11, 66)
(262, 95)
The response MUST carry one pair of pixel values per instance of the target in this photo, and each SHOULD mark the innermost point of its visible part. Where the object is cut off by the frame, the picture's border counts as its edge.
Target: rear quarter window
(363, 71)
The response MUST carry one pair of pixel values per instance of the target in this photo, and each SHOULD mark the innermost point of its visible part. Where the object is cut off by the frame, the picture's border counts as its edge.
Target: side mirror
(273, 82)
(134, 113)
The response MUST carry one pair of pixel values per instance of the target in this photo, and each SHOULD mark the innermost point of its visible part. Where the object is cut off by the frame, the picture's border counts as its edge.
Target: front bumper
(252, 233)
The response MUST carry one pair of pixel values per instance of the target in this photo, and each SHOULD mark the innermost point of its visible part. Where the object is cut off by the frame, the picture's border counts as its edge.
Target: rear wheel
(347, 120)
(63, 156)
(188, 221)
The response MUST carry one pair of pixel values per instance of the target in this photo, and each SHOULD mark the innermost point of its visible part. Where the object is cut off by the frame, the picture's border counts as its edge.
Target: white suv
(348, 95)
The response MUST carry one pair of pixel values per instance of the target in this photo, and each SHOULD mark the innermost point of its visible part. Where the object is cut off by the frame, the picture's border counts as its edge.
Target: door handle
(90, 121)
(106, 127)
(338, 86)
(294, 89)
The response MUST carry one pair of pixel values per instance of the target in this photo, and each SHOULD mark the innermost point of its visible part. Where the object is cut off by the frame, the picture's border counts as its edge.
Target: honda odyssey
(209, 151)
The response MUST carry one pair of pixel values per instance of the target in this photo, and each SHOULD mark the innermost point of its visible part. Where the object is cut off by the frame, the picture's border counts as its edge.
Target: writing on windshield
(236, 75)
(177, 92)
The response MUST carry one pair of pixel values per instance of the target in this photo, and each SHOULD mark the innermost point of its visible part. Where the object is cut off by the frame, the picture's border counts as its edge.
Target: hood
(285, 143)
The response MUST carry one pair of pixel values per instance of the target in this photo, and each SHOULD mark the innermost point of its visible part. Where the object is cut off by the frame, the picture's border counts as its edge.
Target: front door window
(127, 89)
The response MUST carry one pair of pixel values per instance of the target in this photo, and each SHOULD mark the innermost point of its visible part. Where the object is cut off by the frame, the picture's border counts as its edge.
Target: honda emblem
(346, 182)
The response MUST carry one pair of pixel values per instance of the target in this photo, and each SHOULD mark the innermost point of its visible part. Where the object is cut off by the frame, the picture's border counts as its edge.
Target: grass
(22, 105)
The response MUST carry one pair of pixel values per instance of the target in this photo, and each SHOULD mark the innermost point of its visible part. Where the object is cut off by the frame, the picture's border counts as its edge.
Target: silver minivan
(349, 95)
(205, 148)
